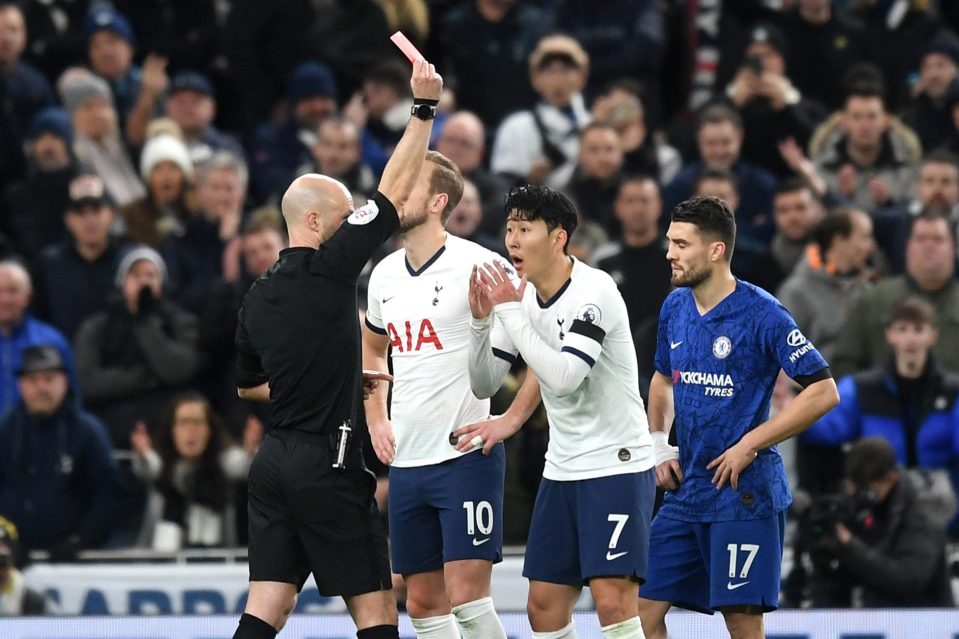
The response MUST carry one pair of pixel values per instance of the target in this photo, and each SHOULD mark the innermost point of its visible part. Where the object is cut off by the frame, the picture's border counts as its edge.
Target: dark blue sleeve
(786, 343)
(662, 338)
(840, 425)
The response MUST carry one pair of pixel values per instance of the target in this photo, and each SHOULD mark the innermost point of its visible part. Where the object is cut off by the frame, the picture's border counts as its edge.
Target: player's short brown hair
(447, 178)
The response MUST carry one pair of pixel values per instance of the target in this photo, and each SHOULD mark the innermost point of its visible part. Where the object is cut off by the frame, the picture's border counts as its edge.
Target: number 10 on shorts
(478, 516)
(749, 550)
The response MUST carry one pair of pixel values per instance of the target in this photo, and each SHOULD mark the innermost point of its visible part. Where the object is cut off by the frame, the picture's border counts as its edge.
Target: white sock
(629, 629)
(478, 620)
(442, 627)
(569, 632)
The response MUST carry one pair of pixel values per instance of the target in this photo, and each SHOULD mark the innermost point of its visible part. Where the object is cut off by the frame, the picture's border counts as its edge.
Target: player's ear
(440, 200)
(559, 240)
(715, 251)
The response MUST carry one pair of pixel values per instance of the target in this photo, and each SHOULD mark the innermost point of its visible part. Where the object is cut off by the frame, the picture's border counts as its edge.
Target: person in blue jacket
(19, 330)
(58, 479)
(910, 401)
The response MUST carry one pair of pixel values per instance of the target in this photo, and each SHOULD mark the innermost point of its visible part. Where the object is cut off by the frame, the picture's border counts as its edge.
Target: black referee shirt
(298, 326)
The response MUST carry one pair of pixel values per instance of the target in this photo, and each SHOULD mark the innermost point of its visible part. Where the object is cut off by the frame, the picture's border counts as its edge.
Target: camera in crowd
(817, 524)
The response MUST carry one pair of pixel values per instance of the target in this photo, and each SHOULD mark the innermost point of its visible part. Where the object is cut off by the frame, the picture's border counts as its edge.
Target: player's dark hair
(913, 310)
(837, 223)
(712, 217)
(870, 459)
(446, 178)
(529, 203)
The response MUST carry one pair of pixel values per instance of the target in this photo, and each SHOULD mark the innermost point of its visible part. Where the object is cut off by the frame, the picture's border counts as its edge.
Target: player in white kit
(445, 505)
(591, 519)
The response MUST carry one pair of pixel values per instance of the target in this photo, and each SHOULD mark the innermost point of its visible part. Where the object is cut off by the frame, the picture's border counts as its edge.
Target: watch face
(423, 111)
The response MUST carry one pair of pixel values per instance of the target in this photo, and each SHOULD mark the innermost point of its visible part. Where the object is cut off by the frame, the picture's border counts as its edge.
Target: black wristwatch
(423, 111)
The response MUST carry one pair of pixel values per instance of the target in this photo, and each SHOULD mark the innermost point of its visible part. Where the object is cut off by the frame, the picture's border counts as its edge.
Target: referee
(298, 341)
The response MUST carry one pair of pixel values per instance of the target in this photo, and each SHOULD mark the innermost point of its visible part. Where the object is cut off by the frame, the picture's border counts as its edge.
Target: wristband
(661, 448)
(427, 101)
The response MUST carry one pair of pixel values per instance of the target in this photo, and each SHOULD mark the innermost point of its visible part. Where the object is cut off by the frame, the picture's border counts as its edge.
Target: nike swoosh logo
(672, 345)
(731, 586)
(387, 299)
(480, 542)
(610, 556)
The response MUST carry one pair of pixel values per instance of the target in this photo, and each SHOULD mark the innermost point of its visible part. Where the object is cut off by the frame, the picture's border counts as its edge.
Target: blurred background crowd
(144, 146)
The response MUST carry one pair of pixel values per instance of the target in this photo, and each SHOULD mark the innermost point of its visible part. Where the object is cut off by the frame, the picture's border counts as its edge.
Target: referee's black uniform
(298, 330)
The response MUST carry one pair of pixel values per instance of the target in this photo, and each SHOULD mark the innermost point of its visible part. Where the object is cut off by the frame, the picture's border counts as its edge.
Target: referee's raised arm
(408, 156)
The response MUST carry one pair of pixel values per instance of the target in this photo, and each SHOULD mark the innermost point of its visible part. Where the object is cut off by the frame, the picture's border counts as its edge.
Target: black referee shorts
(306, 516)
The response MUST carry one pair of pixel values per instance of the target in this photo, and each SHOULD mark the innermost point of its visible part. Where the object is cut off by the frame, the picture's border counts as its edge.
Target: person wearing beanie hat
(137, 254)
(97, 143)
(279, 150)
(25, 92)
(110, 48)
(78, 89)
(311, 79)
(34, 206)
(141, 338)
(167, 170)
(165, 148)
(929, 112)
(52, 120)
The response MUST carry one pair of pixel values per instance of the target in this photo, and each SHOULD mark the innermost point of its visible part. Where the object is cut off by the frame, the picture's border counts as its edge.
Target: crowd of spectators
(144, 146)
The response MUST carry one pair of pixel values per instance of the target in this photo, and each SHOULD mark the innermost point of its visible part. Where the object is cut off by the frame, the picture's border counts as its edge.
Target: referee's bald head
(314, 207)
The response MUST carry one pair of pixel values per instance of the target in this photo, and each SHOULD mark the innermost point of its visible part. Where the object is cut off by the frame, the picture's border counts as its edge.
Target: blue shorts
(447, 511)
(705, 566)
(591, 528)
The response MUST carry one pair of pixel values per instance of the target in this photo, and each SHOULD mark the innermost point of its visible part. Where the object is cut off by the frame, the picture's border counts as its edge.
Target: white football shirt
(597, 424)
(425, 314)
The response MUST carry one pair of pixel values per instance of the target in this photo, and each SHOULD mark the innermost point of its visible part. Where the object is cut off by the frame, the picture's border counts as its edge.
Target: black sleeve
(249, 369)
(345, 254)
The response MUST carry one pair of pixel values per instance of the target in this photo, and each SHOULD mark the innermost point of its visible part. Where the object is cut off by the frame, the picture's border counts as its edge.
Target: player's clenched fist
(426, 82)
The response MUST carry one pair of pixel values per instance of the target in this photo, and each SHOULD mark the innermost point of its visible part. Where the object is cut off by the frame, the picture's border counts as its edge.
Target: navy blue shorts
(705, 566)
(591, 528)
(447, 512)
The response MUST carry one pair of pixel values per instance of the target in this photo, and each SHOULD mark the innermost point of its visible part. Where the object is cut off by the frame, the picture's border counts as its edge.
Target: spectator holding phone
(771, 107)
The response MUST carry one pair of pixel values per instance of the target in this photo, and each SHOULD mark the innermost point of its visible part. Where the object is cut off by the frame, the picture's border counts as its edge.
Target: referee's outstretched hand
(426, 83)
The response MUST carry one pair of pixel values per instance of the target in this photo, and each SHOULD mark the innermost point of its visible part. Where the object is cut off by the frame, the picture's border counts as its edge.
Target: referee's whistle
(342, 445)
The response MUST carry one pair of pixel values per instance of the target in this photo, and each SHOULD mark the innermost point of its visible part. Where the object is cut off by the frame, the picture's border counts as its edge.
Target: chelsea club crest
(722, 347)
